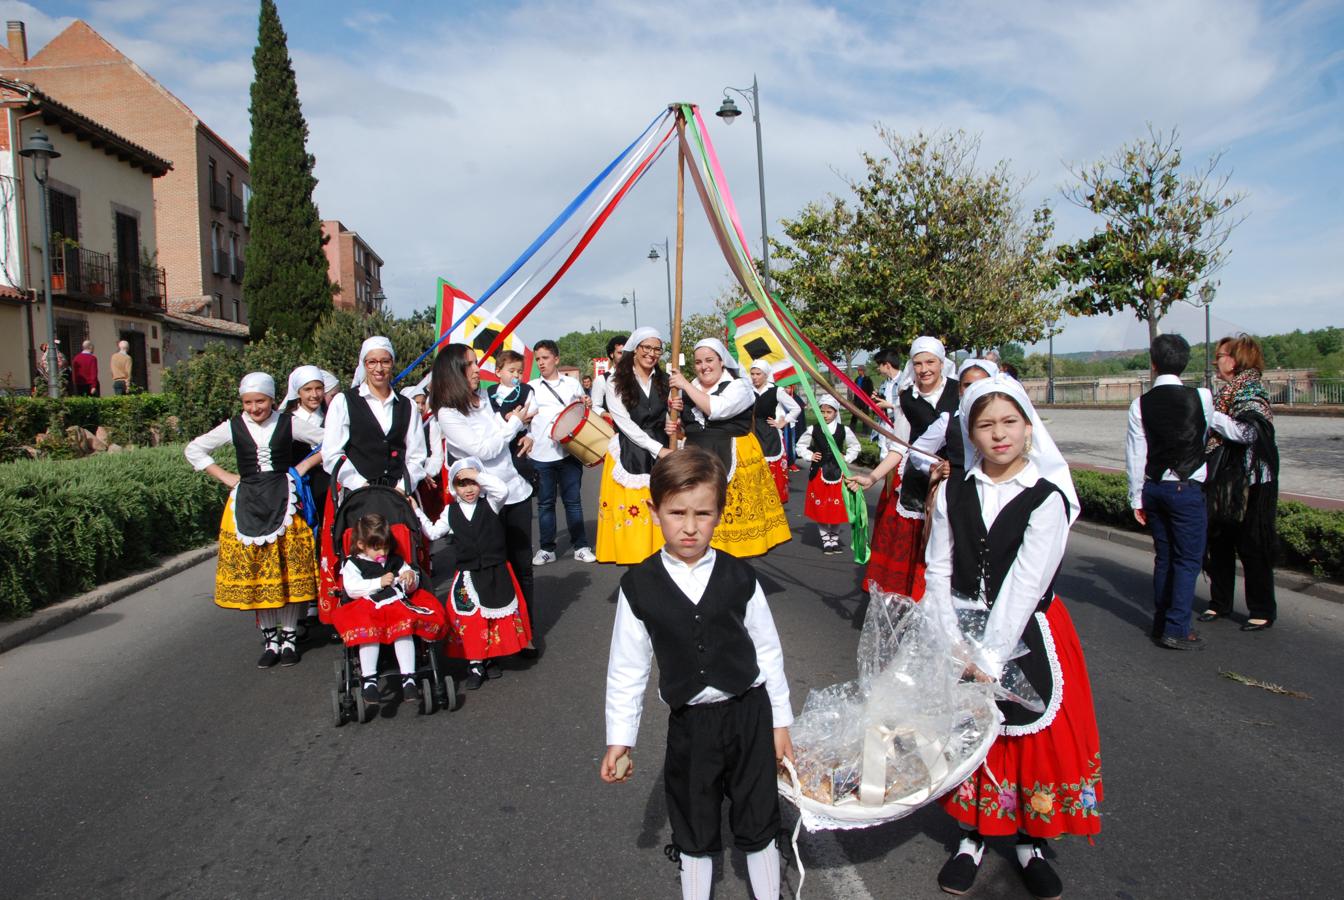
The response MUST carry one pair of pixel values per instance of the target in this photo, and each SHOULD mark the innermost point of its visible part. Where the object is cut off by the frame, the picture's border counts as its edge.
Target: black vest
(696, 645)
(1174, 424)
(370, 568)
(523, 465)
(717, 435)
(262, 498)
(827, 465)
(379, 457)
(955, 448)
(479, 544)
(282, 443)
(650, 415)
(982, 557)
(920, 413)
(767, 404)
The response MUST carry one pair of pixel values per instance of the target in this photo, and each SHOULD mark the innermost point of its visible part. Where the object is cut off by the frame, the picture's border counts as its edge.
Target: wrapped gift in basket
(910, 728)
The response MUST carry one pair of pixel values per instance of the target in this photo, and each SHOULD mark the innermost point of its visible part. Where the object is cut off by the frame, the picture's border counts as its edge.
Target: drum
(583, 435)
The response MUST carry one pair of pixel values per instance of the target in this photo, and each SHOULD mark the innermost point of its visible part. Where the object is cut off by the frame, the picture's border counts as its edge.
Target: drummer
(636, 398)
(556, 469)
(718, 413)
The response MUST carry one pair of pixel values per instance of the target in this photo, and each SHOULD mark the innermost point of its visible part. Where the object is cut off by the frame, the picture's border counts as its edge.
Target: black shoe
(410, 691)
(270, 655)
(372, 696)
(533, 652)
(1258, 626)
(1191, 641)
(958, 873)
(289, 652)
(492, 669)
(475, 677)
(1040, 878)
(1207, 615)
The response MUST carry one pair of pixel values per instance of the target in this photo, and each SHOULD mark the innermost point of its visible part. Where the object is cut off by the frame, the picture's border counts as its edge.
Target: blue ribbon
(531, 251)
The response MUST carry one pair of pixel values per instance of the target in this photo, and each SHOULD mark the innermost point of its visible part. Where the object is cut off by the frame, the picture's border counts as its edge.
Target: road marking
(827, 863)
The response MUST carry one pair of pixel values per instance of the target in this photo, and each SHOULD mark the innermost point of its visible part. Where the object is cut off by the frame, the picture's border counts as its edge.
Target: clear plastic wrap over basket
(909, 729)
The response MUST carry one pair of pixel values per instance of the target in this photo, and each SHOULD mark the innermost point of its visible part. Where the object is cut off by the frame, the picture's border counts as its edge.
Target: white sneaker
(543, 557)
(585, 554)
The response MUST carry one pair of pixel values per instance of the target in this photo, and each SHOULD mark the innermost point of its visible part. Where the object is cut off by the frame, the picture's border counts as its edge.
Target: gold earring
(1026, 448)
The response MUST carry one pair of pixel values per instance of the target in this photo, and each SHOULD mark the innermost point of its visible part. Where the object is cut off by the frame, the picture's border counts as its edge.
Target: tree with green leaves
(929, 244)
(285, 280)
(1163, 235)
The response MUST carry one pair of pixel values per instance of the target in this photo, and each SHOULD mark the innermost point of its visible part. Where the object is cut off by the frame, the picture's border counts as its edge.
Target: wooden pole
(681, 248)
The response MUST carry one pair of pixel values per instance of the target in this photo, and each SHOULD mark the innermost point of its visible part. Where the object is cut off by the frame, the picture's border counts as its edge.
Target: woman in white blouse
(266, 558)
(719, 419)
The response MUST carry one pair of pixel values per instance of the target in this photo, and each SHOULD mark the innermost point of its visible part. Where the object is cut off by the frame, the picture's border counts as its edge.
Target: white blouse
(338, 435)
(786, 408)
(484, 434)
(198, 451)
(1028, 577)
(492, 489)
(852, 446)
(739, 395)
(629, 430)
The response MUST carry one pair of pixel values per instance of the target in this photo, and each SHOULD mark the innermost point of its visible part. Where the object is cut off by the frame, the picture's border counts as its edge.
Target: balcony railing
(235, 207)
(218, 196)
(141, 287)
(79, 272)
(219, 262)
(237, 274)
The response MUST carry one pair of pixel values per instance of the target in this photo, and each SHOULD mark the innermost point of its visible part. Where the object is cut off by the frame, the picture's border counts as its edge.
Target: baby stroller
(437, 690)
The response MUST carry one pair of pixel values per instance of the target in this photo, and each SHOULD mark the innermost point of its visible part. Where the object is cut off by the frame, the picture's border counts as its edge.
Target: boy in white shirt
(556, 469)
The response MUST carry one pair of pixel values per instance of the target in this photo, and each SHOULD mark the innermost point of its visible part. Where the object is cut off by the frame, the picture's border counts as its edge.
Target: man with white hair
(84, 368)
(121, 368)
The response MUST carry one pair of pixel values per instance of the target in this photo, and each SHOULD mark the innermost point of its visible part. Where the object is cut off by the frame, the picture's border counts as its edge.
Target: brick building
(355, 269)
(201, 203)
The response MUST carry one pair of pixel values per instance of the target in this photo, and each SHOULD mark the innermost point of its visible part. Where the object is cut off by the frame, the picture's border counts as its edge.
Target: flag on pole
(750, 337)
(478, 330)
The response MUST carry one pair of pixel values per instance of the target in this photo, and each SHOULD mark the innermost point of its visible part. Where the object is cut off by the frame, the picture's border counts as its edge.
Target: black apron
(261, 498)
(650, 416)
(827, 467)
(717, 435)
(479, 543)
(767, 404)
(921, 414)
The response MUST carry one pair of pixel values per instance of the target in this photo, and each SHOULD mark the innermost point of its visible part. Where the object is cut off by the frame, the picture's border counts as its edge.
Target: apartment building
(354, 268)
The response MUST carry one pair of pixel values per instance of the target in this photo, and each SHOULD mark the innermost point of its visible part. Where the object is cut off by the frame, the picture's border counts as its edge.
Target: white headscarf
(639, 335)
(765, 367)
(924, 345)
(717, 346)
(989, 367)
(411, 392)
(468, 462)
(329, 381)
(257, 383)
(828, 400)
(1044, 453)
(377, 342)
(298, 378)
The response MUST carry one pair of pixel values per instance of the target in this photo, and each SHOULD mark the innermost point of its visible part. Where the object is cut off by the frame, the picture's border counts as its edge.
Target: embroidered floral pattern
(1041, 802)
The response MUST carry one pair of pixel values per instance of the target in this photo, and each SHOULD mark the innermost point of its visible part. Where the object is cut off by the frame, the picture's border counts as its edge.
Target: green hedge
(69, 525)
(131, 419)
(1310, 539)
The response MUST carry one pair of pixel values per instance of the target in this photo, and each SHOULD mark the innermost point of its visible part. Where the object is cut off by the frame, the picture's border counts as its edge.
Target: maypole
(675, 359)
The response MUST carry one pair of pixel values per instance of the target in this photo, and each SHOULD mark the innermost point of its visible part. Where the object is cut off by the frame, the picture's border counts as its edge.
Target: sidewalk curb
(1288, 579)
(16, 633)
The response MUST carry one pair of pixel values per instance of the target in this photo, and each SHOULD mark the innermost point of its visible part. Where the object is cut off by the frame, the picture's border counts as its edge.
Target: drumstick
(672, 414)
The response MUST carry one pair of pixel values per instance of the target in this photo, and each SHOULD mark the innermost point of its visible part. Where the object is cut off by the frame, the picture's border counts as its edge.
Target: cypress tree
(285, 280)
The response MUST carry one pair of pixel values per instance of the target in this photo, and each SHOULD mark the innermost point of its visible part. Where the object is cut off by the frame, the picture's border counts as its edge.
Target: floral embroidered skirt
(626, 534)
(473, 635)
(779, 468)
(825, 501)
(1048, 782)
(265, 576)
(360, 622)
(896, 560)
(753, 518)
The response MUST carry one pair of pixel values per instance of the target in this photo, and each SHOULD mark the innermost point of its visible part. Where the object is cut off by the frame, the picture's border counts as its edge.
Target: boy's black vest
(262, 499)
(523, 465)
(717, 435)
(371, 568)
(379, 457)
(954, 450)
(920, 413)
(827, 466)
(697, 645)
(479, 544)
(650, 415)
(767, 404)
(1174, 424)
(981, 559)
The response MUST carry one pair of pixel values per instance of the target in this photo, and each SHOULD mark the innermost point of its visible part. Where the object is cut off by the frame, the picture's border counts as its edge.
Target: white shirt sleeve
(760, 625)
(629, 430)
(738, 396)
(1233, 429)
(307, 432)
(627, 675)
(938, 570)
(483, 442)
(434, 452)
(337, 435)
(599, 394)
(1136, 455)
(930, 442)
(790, 406)
(496, 492)
(355, 584)
(1028, 577)
(198, 451)
(804, 446)
(437, 529)
(415, 448)
(852, 445)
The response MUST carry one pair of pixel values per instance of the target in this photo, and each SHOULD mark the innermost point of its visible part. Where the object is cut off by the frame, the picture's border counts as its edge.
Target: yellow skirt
(626, 534)
(265, 576)
(753, 518)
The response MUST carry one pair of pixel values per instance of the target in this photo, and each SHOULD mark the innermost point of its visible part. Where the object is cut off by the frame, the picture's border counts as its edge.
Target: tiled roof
(209, 325)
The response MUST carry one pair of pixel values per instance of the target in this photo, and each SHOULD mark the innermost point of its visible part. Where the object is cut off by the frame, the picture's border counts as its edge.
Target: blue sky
(495, 115)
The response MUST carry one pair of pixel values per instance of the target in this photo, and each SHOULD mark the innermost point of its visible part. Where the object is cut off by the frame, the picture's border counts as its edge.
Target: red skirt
(361, 622)
(476, 637)
(1049, 781)
(896, 558)
(825, 502)
(780, 469)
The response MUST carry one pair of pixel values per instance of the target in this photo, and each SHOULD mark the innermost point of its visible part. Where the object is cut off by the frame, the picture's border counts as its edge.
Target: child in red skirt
(382, 605)
(998, 540)
(825, 501)
(487, 616)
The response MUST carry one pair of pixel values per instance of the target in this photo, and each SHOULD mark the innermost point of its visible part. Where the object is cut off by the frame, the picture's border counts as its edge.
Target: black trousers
(517, 519)
(1227, 541)
(717, 750)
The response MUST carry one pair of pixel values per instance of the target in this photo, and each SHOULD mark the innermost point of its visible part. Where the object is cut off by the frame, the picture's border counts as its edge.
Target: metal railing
(1292, 390)
(141, 287)
(79, 271)
(235, 207)
(237, 274)
(218, 199)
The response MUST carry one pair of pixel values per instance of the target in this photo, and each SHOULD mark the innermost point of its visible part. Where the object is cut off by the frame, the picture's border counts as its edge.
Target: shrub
(131, 419)
(68, 525)
(869, 454)
(1309, 538)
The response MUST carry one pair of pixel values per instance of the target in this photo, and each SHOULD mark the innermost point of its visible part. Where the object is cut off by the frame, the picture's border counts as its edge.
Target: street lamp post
(728, 111)
(667, 259)
(40, 150)
(633, 302)
(1050, 368)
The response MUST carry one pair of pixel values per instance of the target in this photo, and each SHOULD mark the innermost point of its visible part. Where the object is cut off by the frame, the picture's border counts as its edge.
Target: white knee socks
(763, 870)
(405, 649)
(268, 618)
(697, 877)
(368, 660)
(288, 616)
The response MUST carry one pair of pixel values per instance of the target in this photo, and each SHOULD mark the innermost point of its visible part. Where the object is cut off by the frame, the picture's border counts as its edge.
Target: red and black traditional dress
(769, 403)
(825, 500)
(487, 615)
(998, 547)
(896, 564)
(382, 615)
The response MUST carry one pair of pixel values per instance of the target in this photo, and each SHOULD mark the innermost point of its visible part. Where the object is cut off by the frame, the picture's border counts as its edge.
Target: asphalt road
(145, 756)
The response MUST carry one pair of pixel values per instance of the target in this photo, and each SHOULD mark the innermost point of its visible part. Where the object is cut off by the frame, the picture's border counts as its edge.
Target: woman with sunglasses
(636, 398)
